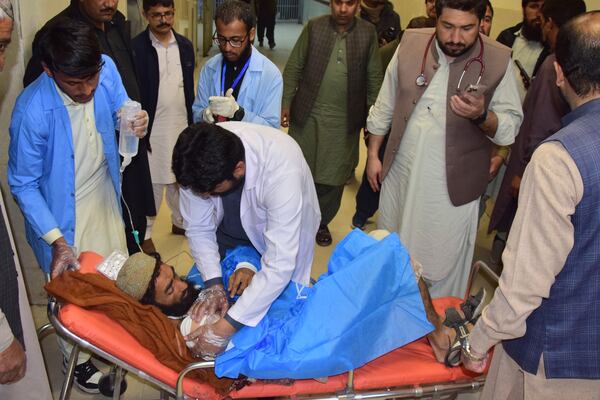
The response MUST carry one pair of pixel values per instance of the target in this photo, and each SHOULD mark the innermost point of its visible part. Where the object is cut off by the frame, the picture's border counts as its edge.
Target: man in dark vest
(445, 112)
(329, 82)
(165, 62)
(113, 33)
(544, 317)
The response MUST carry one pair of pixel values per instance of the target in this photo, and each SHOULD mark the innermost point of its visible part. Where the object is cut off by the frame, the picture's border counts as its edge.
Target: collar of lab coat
(251, 162)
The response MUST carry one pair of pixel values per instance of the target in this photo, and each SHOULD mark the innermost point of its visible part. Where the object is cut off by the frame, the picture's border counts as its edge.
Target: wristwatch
(468, 352)
(481, 119)
(239, 114)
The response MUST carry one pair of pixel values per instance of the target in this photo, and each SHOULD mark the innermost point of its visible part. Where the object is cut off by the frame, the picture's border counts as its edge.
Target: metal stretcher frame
(435, 390)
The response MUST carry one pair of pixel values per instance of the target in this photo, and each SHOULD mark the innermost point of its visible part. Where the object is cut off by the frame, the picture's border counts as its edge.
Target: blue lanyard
(237, 78)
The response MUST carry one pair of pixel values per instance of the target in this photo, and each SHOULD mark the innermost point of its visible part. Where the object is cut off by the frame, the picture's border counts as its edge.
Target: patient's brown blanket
(147, 324)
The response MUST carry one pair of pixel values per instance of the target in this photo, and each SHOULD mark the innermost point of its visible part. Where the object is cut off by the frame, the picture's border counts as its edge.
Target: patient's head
(149, 280)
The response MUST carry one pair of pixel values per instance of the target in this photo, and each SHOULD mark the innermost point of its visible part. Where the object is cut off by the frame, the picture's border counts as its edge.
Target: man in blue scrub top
(239, 84)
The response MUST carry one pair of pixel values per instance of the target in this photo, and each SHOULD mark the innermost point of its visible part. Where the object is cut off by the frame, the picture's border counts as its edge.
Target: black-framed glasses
(233, 42)
(165, 15)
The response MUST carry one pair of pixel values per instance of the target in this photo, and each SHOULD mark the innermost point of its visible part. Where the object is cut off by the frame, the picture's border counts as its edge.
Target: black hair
(178, 309)
(578, 53)
(476, 7)
(231, 10)
(488, 3)
(148, 4)
(206, 155)
(71, 47)
(561, 11)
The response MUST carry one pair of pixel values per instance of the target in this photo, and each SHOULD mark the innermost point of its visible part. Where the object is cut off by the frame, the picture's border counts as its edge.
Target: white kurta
(171, 115)
(98, 222)
(414, 197)
(527, 52)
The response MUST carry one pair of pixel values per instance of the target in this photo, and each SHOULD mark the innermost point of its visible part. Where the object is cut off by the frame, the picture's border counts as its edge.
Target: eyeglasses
(233, 42)
(165, 15)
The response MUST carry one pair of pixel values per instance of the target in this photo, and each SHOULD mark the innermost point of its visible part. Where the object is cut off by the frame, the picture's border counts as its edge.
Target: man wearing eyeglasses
(239, 84)
(112, 31)
(448, 95)
(165, 63)
(63, 166)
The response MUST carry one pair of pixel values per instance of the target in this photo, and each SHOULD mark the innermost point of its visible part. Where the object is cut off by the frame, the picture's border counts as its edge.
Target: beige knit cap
(136, 274)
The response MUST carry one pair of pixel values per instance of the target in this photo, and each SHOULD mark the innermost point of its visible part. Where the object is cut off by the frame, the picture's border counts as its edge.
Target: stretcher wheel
(106, 384)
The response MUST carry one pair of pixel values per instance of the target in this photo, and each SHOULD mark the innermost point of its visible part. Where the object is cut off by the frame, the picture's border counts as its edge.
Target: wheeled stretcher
(410, 371)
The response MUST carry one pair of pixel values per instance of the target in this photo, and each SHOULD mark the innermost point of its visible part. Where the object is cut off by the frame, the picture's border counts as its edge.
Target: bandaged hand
(140, 124)
(225, 106)
(212, 300)
(210, 340)
(63, 257)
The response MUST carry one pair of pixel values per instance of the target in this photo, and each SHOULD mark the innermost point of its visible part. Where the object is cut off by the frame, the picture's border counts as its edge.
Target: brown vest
(321, 39)
(467, 147)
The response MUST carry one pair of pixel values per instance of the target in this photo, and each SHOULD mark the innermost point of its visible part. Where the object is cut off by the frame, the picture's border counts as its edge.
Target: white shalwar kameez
(169, 121)
(98, 223)
(414, 197)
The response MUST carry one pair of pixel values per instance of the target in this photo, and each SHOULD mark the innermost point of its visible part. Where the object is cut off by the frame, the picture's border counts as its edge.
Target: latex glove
(210, 340)
(224, 106)
(239, 281)
(210, 301)
(63, 257)
(207, 116)
(140, 124)
(13, 363)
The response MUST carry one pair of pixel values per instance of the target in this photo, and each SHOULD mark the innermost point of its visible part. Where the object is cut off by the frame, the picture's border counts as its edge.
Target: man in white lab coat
(244, 183)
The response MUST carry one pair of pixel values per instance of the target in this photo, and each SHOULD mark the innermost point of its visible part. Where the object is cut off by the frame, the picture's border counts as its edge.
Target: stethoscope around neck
(422, 81)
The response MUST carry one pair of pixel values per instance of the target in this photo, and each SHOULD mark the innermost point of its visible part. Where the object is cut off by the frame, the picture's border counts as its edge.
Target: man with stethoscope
(449, 94)
(239, 84)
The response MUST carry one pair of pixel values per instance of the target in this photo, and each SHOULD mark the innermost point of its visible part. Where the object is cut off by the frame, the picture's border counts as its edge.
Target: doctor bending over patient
(244, 184)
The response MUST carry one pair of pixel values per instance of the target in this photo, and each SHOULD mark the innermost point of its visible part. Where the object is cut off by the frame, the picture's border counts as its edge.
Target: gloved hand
(140, 124)
(210, 340)
(225, 106)
(208, 116)
(212, 300)
(63, 257)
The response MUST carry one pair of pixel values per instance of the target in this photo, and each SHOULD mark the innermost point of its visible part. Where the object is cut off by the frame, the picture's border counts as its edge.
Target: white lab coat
(279, 211)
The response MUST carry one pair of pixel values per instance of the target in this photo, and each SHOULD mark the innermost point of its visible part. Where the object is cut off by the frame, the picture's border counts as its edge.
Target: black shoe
(272, 45)
(260, 43)
(86, 376)
(359, 221)
(323, 236)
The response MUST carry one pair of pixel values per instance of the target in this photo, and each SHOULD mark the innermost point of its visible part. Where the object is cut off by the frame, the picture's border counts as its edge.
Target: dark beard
(454, 53)
(531, 32)
(181, 308)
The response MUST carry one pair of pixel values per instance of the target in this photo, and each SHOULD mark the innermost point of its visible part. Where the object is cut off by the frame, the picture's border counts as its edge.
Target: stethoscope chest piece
(421, 80)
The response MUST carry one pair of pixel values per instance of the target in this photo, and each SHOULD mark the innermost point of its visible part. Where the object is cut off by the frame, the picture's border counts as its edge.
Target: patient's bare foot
(442, 338)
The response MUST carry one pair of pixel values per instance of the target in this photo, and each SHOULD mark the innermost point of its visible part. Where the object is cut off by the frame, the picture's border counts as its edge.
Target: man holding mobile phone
(456, 97)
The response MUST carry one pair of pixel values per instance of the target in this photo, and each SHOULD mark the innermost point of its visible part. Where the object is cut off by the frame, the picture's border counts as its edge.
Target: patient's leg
(441, 338)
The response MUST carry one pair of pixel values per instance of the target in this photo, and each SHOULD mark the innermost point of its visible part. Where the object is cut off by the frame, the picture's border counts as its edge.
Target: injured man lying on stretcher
(371, 301)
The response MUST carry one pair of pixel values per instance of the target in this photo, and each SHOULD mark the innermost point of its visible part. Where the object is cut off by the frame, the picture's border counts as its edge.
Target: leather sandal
(323, 237)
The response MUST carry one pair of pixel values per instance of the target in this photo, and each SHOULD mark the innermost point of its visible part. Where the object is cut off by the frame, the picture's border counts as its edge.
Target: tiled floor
(175, 250)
